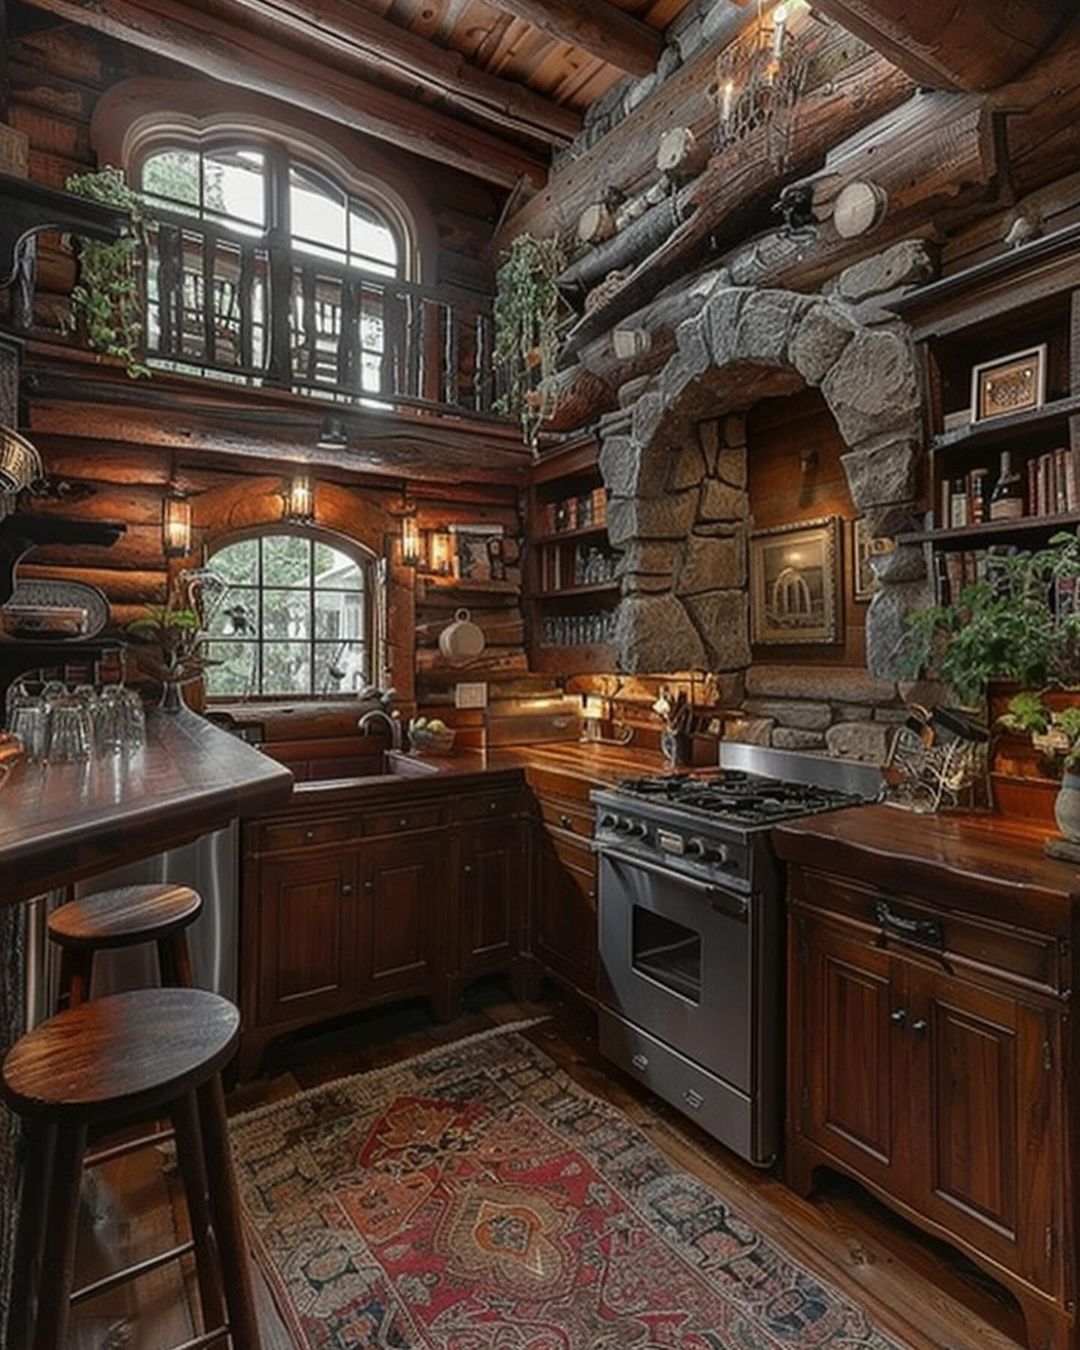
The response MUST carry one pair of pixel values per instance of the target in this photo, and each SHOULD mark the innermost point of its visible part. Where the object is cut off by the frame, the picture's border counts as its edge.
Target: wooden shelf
(586, 659)
(577, 592)
(570, 536)
(993, 429)
(452, 587)
(993, 531)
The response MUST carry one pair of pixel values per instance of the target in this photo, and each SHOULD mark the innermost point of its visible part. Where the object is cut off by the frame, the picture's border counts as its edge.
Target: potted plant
(1056, 735)
(528, 316)
(106, 301)
(1018, 623)
(172, 635)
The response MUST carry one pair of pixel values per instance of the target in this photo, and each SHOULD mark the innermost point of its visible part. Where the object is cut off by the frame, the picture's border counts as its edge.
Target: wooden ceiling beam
(225, 51)
(380, 45)
(966, 45)
(597, 27)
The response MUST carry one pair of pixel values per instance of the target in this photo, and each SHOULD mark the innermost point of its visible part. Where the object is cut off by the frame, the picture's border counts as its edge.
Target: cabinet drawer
(568, 816)
(305, 834)
(910, 925)
(489, 806)
(405, 818)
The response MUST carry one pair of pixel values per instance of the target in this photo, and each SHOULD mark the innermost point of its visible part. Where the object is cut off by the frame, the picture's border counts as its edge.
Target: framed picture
(1011, 384)
(478, 552)
(864, 547)
(794, 583)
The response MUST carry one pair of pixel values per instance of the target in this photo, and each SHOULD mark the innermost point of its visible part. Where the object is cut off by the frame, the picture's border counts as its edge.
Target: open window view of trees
(296, 621)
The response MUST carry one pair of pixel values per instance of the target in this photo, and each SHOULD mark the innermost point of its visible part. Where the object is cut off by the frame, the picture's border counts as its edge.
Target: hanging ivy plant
(528, 315)
(106, 302)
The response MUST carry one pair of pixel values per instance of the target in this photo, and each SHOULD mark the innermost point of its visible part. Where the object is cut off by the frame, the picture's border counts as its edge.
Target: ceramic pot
(1067, 807)
(462, 641)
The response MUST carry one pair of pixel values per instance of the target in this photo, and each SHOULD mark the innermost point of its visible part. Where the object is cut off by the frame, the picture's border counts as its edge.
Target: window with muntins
(242, 235)
(296, 622)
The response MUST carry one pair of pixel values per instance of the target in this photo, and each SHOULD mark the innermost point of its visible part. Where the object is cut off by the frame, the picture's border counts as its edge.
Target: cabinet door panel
(853, 1065)
(408, 897)
(982, 1073)
(307, 938)
(565, 913)
(492, 896)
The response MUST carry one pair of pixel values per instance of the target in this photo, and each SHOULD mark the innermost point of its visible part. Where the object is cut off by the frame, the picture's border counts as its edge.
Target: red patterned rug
(476, 1198)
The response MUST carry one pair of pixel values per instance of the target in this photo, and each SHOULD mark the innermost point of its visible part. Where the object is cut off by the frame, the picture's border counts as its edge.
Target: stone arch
(678, 507)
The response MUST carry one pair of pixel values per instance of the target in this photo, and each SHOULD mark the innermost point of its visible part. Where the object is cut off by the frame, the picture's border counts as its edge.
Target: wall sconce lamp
(412, 541)
(333, 435)
(176, 523)
(440, 553)
(299, 500)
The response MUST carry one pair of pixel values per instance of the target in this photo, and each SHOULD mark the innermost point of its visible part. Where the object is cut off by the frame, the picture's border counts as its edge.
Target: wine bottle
(1007, 499)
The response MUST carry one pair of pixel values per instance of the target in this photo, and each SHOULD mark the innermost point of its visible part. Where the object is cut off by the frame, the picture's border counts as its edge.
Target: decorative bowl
(424, 742)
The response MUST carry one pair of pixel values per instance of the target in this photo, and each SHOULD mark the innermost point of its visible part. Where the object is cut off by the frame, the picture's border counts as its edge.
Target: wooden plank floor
(923, 1293)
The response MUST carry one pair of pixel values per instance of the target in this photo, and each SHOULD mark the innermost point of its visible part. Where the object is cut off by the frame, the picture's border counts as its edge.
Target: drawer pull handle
(566, 822)
(928, 932)
(640, 1062)
(369, 886)
(347, 889)
(694, 1100)
(899, 1017)
(493, 806)
(309, 835)
(468, 869)
(920, 1028)
(403, 821)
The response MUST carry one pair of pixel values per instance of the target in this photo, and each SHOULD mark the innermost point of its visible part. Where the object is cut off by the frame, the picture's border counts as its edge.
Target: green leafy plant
(528, 315)
(106, 302)
(1055, 734)
(1004, 627)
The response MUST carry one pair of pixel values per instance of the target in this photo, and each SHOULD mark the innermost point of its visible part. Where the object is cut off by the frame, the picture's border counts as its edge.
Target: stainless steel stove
(691, 931)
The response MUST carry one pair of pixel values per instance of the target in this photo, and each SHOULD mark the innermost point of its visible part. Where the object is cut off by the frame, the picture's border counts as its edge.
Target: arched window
(297, 620)
(264, 267)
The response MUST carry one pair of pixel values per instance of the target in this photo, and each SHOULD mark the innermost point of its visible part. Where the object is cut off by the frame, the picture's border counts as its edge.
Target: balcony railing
(226, 305)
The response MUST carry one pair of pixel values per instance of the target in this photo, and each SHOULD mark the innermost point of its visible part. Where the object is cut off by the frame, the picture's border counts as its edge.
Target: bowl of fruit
(430, 736)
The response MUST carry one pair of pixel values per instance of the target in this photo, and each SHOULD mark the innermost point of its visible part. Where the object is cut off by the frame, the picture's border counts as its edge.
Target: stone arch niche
(677, 475)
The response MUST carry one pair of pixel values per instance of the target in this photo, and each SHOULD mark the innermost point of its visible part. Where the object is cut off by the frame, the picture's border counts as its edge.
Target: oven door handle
(723, 900)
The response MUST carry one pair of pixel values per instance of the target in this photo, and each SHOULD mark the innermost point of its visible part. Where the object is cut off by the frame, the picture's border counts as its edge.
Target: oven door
(675, 958)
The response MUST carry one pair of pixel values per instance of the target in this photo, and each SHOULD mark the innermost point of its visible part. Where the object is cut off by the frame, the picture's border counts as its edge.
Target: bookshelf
(571, 586)
(999, 344)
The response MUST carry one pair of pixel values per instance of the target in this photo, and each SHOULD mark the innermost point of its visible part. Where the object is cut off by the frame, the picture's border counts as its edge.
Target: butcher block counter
(932, 1043)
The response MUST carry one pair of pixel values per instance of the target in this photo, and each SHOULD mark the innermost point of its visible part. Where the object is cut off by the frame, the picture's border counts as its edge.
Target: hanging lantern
(411, 546)
(176, 524)
(440, 553)
(300, 500)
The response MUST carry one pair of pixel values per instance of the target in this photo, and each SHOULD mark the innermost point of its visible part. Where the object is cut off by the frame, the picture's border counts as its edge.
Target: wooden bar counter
(932, 1042)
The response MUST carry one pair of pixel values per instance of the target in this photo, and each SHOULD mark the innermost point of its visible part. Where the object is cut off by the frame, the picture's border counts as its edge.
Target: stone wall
(678, 505)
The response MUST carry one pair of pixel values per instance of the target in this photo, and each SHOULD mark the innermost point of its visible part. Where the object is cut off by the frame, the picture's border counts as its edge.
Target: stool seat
(125, 916)
(114, 1058)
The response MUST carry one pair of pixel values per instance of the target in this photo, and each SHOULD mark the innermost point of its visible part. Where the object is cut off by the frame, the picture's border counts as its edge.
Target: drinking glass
(69, 734)
(26, 720)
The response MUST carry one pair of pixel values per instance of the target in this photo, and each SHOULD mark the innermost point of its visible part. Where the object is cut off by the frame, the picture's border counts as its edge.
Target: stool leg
(225, 1208)
(76, 972)
(192, 1164)
(174, 959)
(30, 1232)
(61, 1223)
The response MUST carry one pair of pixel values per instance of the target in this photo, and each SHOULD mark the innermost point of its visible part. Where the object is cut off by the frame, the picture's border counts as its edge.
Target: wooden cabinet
(306, 955)
(564, 913)
(493, 894)
(407, 898)
(934, 1078)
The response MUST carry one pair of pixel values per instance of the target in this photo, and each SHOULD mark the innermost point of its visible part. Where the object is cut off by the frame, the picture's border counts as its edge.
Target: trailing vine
(106, 304)
(528, 315)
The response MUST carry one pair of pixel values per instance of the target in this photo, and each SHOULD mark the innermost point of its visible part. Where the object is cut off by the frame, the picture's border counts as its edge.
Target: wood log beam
(595, 26)
(225, 51)
(379, 45)
(967, 45)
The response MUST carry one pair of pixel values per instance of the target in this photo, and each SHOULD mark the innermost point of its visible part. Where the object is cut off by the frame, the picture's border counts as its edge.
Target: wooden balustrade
(225, 304)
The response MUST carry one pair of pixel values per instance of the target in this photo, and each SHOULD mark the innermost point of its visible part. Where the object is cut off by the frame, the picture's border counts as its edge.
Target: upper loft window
(298, 619)
(238, 226)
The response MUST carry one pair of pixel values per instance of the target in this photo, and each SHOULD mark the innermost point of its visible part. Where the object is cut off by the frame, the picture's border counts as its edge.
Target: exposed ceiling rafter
(226, 52)
(596, 26)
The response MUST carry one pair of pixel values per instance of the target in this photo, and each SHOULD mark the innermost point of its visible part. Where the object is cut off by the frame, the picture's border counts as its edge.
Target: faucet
(381, 715)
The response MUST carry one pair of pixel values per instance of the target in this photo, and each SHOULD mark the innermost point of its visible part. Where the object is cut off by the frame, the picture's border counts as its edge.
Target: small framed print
(478, 552)
(794, 583)
(1011, 384)
(866, 547)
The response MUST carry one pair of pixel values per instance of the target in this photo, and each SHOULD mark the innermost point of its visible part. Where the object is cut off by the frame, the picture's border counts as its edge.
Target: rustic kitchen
(540, 662)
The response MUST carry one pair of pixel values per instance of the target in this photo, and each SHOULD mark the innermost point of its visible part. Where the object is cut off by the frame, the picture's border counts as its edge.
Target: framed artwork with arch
(795, 584)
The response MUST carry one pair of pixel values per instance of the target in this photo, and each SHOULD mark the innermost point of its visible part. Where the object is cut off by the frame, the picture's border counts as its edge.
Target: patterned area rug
(476, 1198)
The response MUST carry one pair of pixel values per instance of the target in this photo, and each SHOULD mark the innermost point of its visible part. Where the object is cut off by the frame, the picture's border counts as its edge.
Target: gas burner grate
(736, 796)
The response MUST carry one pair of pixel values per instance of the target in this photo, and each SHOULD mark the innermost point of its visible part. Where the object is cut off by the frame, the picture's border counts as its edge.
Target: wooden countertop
(63, 822)
(986, 861)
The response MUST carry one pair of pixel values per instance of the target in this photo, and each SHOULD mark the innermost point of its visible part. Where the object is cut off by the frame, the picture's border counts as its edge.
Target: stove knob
(638, 830)
(697, 848)
(608, 822)
(622, 826)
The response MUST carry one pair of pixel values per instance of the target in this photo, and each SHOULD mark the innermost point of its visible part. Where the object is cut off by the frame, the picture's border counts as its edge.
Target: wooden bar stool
(105, 1063)
(124, 917)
